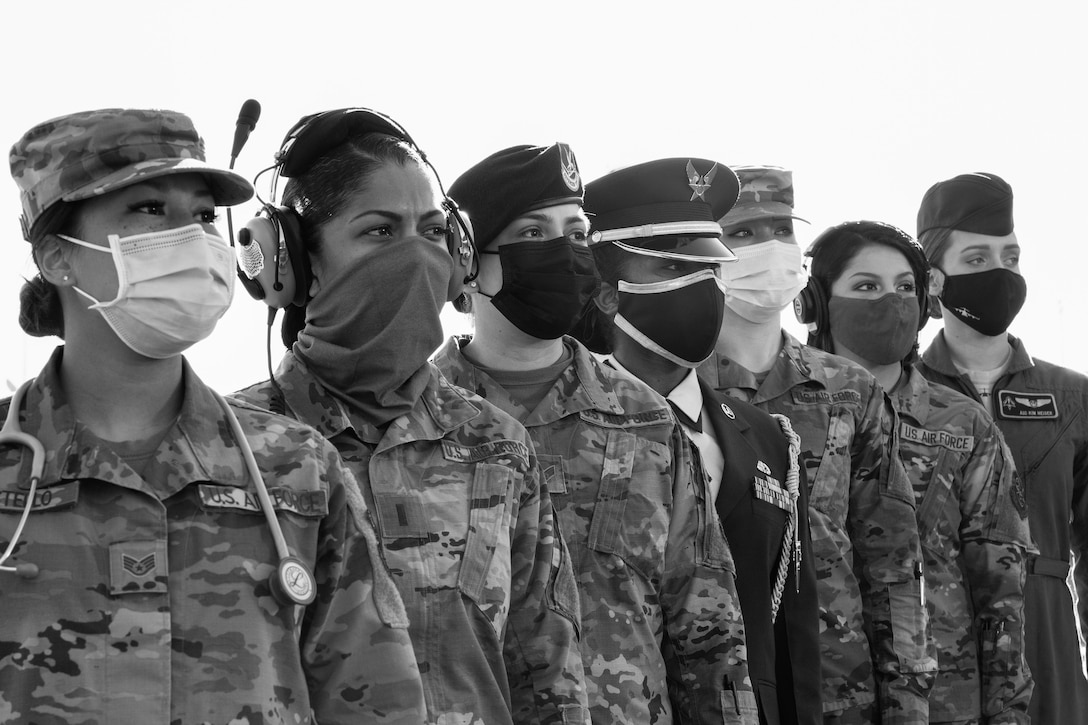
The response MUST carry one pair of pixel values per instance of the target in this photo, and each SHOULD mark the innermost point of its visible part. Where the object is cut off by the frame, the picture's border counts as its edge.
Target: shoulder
(279, 440)
(845, 380)
(950, 408)
(1056, 376)
(489, 435)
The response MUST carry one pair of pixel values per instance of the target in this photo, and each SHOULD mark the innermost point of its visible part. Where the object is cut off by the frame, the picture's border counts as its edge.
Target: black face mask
(545, 286)
(987, 302)
(678, 319)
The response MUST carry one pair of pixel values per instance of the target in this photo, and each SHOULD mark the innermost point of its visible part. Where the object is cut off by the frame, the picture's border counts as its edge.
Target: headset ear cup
(298, 259)
(810, 306)
(271, 259)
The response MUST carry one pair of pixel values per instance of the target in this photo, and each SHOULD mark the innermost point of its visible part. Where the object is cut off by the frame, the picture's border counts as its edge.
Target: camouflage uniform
(663, 638)
(152, 603)
(1041, 410)
(975, 538)
(467, 531)
(864, 535)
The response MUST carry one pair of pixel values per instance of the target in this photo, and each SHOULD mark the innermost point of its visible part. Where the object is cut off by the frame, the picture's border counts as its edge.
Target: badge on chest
(1013, 405)
(767, 488)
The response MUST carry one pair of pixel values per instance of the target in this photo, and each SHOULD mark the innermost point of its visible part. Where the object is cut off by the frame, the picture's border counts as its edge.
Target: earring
(473, 284)
(64, 278)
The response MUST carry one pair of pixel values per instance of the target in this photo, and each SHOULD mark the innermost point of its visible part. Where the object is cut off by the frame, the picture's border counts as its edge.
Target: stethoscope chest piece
(293, 583)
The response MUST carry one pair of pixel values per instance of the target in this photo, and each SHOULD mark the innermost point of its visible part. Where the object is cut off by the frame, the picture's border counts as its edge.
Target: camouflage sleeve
(995, 540)
(705, 655)
(359, 660)
(544, 664)
(888, 559)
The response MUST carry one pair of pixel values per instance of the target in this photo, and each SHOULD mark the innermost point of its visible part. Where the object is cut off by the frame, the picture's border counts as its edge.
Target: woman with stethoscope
(147, 573)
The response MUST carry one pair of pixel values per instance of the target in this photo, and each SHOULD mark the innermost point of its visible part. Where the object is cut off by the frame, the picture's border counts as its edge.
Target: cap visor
(227, 187)
(689, 249)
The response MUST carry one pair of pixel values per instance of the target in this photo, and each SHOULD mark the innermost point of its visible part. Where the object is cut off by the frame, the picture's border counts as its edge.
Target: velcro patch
(634, 420)
(943, 439)
(65, 494)
(492, 449)
(138, 567)
(303, 503)
(767, 488)
(401, 516)
(824, 397)
(1012, 405)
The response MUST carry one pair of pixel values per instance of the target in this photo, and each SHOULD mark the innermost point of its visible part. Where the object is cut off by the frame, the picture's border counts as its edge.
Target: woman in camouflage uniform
(871, 281)
(465, 521)
(144, 587)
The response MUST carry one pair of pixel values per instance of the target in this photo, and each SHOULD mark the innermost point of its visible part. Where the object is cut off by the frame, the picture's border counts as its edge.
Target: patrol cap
(510, 182)
(765, 191)
(664, 208)
(978, 202)
(91, 153)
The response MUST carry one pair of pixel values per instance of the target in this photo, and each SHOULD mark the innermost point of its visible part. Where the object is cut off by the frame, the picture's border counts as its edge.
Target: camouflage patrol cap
(765, 191)
(510, 182)
(91, 153)
(664, 208)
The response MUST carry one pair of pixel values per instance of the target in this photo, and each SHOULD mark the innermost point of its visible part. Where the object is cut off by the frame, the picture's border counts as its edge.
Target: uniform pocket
(487, 534)
(739, 707)
(607, 526)
(827, 492)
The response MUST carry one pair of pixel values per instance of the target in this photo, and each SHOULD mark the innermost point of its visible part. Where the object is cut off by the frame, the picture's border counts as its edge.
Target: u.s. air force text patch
(657, 416)
(825, 397)
(303, 503)
(492, 449)
(1012, 405)
(940, 438)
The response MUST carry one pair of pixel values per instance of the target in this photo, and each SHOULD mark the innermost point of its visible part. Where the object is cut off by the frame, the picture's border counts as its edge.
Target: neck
(887, 375)
(660, 374)
(753, 345)
(498, 345)
(117, 394)
(970, 349)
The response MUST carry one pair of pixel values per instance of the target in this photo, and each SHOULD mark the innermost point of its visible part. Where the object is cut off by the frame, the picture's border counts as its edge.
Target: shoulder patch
(824, 397)
(1012, 405)
(303, 503)
(53, 497)
(646, 418)
(943, 439)
(492, 449)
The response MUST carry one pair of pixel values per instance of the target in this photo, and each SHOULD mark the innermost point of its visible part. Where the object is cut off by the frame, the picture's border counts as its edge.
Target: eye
(436, 231)
(784, 231)
(1012, 261)
(382, 230)
(742, 233)
(208, 216)
(154, 207)
(531, 233)
(908, 287)
(865, 287)
(578, 236)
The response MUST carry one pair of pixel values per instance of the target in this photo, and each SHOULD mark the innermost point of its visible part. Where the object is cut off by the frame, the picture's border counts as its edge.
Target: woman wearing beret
(464, 518)
(167, 556)
(965, 225)
(872, 279)
(876, 666)
(662, 638)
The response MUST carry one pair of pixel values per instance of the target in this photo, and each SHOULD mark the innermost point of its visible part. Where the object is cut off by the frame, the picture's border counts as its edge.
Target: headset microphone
(247, 121)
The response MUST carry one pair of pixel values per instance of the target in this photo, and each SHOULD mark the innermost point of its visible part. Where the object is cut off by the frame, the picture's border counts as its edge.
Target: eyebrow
(392, 215)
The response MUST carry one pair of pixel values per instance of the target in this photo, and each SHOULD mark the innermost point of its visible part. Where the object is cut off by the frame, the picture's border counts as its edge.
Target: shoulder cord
(791, 541)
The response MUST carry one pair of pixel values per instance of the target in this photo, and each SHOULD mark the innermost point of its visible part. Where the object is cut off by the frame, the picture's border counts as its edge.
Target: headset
(811, 304)
(276, 232)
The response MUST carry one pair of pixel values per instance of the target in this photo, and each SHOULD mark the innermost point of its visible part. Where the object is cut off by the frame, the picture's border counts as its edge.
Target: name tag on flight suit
(1012, 405)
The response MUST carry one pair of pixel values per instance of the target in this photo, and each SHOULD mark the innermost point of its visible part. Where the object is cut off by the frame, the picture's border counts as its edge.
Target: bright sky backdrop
(868, 102)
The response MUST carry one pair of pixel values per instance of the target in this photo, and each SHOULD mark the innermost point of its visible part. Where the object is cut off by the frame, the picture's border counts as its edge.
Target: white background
(868, 102)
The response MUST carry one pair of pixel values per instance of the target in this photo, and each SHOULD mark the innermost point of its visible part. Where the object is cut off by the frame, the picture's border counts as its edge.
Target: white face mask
(764, 279)
(172, 288)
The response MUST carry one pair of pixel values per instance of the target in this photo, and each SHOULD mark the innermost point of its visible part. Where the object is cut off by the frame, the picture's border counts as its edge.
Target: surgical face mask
(678, 319)
(172, 288)
(987, 302)
(546, 286)
(763, 280)
(881, 331)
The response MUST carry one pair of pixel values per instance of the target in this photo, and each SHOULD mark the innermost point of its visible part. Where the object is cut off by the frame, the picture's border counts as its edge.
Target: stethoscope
(293, 582)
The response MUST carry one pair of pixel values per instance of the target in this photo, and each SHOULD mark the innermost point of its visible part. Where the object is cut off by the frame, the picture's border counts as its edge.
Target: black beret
(510, 182)
(979, 203)
(666, 207)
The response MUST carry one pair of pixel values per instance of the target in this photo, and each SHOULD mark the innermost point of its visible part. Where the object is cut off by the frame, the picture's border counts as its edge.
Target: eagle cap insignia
(700, 184)
(568, 168)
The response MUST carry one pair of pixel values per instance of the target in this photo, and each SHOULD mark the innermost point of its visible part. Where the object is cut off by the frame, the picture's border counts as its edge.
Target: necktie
(695, 425)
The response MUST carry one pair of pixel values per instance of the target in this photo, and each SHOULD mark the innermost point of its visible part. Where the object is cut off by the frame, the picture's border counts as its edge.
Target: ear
(608, 299)
(936, 286)
(52, 259)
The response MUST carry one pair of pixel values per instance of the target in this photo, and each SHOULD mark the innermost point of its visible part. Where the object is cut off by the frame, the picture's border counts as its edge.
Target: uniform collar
(687, 396)
(581, 386)
(938, 357)
(794, 366)
(199, 447)
(440, 409)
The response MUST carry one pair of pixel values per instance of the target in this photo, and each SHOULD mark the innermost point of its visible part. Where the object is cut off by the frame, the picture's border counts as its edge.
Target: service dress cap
(765, 191)
(514, 181)
(978, 202)
(664, 208)
(92, 153)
